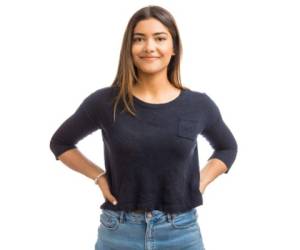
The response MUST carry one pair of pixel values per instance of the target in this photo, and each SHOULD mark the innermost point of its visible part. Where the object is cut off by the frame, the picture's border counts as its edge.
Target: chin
(150, 71)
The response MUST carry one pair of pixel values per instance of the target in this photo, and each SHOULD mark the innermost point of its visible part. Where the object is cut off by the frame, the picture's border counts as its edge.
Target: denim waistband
(140, 217)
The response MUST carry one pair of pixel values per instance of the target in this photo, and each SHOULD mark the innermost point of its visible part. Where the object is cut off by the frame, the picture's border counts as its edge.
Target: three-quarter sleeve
(80, 124)
(219, 135)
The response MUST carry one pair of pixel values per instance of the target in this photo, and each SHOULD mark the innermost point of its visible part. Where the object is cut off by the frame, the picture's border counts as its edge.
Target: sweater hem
(130, 207)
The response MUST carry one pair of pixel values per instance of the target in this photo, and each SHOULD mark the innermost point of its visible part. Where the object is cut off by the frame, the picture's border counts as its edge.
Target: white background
(244, 54)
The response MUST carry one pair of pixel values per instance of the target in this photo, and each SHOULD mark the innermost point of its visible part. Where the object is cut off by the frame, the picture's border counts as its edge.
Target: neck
(153, 84)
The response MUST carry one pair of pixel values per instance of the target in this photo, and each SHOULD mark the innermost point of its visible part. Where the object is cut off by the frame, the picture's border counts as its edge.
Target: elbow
(232, 153)
(59, 148)
(235, 149)
(226, 155)
(53, 145)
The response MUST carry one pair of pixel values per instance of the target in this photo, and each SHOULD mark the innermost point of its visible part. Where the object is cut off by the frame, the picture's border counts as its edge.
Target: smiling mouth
(149, 58)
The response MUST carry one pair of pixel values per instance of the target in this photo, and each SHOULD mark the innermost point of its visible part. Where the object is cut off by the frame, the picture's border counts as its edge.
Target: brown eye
(137, 38)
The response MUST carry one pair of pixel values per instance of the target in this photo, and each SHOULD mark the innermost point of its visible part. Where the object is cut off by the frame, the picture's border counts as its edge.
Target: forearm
(211, 171)
(75, 160)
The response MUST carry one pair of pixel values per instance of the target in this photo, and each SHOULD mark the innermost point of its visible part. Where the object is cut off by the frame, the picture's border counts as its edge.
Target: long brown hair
(127, 73)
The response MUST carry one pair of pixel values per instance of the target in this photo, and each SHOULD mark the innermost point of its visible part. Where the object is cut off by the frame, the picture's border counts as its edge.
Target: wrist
(97, 178)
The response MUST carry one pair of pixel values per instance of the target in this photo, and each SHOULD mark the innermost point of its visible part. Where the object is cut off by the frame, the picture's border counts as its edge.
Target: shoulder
(204, 104)
(98, 104)
(101, 96)
(105, 92)
(201, 97)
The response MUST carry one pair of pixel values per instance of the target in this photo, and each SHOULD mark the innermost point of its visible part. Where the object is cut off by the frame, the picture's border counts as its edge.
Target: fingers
(103, 184)
(111, 198)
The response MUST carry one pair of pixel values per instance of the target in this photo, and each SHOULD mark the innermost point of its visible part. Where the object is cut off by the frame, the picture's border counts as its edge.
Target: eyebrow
(142, 34)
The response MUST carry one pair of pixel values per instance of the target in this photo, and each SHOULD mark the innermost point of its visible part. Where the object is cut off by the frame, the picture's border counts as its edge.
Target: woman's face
(151, 39)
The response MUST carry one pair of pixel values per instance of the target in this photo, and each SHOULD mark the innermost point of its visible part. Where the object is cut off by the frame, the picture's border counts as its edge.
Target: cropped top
(151, 159)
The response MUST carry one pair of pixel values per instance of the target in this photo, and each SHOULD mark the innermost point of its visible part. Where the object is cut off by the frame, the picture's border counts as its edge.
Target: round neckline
(160, 105)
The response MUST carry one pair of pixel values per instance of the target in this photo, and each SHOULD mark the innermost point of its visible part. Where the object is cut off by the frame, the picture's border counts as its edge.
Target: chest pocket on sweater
(187, 128)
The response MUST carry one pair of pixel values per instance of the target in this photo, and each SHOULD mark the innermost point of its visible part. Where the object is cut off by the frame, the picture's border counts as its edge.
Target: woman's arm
(76, 127)
(222, 141)
(211, 171)
(70, 132)
(75, 160)
(225, 151)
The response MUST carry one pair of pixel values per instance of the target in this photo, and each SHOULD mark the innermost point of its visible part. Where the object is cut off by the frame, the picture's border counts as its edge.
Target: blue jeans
(155, 230)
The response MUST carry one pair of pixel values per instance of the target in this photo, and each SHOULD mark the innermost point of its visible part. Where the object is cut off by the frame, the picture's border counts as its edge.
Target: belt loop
(169, 215)
(173, 215)
(121, 216)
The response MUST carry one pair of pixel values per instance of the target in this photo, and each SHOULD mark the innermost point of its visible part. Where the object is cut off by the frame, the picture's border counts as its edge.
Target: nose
(149, 45)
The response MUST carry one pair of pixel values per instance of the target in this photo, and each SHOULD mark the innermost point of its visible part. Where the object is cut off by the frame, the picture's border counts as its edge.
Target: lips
(150, 59)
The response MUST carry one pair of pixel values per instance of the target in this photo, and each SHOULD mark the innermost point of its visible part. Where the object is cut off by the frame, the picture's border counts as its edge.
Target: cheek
(166, 51)
(166, 56)
(135, 51)
(137, 47)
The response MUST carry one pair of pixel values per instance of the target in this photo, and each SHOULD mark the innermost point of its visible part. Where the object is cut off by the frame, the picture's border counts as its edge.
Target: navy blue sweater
(151, 159)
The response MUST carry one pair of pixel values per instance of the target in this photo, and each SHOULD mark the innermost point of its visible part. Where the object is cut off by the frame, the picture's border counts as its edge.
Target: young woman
(149, 123)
